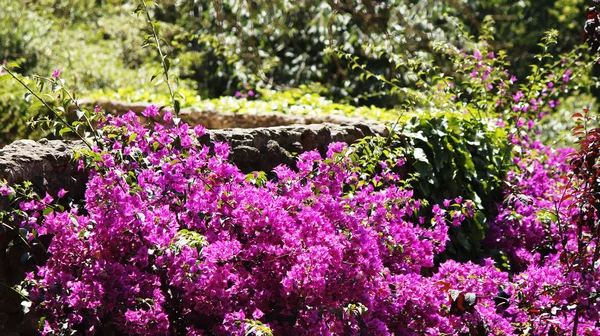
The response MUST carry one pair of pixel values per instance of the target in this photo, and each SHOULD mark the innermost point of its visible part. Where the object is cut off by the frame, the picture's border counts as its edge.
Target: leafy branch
(58, 115)
(166, 64)
(413, 97)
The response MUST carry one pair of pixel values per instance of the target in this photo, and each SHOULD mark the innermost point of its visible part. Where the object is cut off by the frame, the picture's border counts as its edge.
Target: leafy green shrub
(283, 44)
(304, 100)
(97, 45)
(450, 156)
(100, 54)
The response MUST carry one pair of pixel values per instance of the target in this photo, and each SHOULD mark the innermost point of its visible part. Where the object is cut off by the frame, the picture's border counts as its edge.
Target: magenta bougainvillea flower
(56, 73)
(173, 239)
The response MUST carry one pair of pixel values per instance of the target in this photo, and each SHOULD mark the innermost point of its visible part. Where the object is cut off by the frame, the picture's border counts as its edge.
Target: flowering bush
(548, 228)
(172, 238)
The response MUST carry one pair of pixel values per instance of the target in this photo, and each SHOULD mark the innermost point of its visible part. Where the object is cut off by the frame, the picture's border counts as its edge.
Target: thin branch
(41, 100)
(162, 57)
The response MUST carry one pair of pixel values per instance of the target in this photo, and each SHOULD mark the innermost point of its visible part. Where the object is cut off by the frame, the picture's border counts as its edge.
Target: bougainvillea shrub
(173, 239)
(534, 186)
(549, 233)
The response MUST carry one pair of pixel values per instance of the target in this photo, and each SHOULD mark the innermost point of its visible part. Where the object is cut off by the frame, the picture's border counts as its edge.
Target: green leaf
(158, 73)
(4, 77)
(64, 130)
(463, 241)
(167, 64)
(48, 211)
(35, 105)
(177, 106)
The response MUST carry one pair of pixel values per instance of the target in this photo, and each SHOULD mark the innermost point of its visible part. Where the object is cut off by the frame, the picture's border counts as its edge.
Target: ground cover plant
(462, 222)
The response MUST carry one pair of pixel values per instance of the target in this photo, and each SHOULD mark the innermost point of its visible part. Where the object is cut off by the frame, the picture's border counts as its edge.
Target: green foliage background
(221, 44)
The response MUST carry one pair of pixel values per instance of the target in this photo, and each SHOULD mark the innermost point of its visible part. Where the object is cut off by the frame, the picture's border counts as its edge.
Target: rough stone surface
(49, 165)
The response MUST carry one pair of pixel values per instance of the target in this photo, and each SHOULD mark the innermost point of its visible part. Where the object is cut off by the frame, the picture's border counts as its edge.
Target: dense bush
(15, 114)
(172, 238)
(401, 41)
(448, 156)
(284, 43)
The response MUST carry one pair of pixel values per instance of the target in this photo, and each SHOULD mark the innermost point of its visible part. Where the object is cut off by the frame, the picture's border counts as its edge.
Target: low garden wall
(49, 166)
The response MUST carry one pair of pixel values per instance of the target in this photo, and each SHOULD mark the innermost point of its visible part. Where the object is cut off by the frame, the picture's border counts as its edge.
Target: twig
(56, 114)
(162, 58)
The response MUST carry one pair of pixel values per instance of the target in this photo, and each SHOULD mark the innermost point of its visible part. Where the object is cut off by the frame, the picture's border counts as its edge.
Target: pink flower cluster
(538, 228)
(173, 239)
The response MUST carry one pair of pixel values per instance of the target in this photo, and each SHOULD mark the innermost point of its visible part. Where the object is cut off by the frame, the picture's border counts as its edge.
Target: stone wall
(49, 166)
